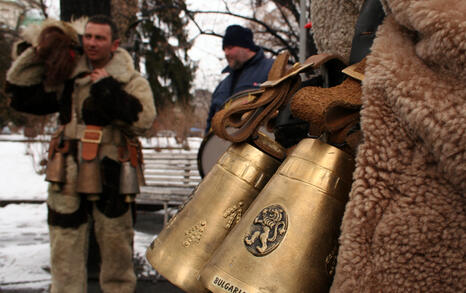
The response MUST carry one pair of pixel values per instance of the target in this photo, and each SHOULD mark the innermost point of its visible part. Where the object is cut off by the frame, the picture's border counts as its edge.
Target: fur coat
(126, 98)
(404, 225)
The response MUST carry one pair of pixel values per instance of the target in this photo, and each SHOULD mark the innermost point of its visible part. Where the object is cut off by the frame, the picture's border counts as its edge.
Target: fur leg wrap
(115, 238)
(68, 257)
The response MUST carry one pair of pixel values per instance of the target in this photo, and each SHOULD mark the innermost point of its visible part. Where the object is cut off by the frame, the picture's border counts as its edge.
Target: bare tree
(275, 24)
(124, 14)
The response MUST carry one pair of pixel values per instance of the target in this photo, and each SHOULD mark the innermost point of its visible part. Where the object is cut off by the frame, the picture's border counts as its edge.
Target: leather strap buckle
(92, 136)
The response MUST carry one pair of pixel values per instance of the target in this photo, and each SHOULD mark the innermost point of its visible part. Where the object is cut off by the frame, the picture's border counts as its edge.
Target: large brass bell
(187, 242)
(129, 185)
(56, 168)
(55, 172)
(287, 240)
(89, 178)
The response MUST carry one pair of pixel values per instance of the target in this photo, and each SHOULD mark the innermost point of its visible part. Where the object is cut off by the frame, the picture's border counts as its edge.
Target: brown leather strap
(131, 151)
(269, 146)
(90, 142)
(282, 83)
(57, 144)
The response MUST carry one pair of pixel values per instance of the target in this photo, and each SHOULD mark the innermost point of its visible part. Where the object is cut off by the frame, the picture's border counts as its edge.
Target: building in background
(16, 13)
(10, 10)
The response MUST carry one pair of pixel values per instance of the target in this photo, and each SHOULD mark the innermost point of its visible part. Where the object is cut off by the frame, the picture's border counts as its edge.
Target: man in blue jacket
(247, 67)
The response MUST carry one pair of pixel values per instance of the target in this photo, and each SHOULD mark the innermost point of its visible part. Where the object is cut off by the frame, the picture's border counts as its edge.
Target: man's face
(237, 56)
(98, 44)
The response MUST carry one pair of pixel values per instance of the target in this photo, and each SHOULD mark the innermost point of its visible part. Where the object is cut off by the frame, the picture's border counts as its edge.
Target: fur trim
(115, 237)
(333, 23)
(404, 225)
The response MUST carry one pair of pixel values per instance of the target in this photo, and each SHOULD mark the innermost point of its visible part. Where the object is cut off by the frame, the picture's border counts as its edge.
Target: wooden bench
(171, 177)
(170, 171)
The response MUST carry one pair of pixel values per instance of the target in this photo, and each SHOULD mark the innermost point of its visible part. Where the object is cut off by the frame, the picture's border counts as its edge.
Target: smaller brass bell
(55, 173)
(89, 177)
(128, 179)
(186, 243)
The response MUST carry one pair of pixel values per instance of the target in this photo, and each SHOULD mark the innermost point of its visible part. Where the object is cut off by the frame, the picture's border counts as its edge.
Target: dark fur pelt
(55, 49)
(108, 102)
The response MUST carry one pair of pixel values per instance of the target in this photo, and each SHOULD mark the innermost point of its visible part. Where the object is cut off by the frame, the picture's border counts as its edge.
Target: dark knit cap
(236, 35)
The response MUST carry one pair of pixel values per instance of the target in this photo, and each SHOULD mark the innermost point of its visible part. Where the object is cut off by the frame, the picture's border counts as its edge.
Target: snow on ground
(24, 247)
(24, 242)
(17, 176)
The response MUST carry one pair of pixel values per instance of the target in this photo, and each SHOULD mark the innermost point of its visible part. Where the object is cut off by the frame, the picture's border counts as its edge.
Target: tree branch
(43, 8)
(267, 28)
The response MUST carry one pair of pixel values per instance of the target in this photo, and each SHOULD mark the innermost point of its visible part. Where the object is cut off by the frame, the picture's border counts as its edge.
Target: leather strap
(58, 144)
(90, 142)
(76, 131)
(240, 122)
(131, 151)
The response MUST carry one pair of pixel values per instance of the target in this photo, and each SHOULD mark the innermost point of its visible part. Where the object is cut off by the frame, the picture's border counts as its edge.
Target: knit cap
(236, 35)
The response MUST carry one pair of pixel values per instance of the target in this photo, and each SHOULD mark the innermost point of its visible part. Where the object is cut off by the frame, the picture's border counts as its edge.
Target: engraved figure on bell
(267, 230)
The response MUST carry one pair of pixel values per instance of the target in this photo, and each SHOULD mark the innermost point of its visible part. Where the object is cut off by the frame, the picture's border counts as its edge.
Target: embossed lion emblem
(267, 231)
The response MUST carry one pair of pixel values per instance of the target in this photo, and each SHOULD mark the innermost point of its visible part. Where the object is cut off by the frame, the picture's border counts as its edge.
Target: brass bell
(89, 177)
(55, 172)
(287, 240)
(186, 243)
(128, 179)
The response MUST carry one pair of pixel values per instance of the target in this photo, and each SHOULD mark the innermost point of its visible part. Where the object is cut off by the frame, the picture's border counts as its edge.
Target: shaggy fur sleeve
(108, 101)
(24, 86)
(32, 99)
(26, 70)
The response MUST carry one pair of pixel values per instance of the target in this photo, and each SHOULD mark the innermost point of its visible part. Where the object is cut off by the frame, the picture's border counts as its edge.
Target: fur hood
(30, 35)
(404, 225)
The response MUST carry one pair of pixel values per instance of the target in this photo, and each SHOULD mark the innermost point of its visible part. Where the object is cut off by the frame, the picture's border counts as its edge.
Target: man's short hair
(104, 19)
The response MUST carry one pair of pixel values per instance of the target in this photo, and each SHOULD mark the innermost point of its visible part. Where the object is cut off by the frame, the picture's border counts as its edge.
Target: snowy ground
(24, 248)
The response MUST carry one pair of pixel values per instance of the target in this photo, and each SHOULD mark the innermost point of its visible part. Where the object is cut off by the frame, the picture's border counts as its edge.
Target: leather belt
(79, 132)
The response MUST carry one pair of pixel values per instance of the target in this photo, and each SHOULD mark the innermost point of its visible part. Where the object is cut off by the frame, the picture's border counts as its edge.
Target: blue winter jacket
(251, 75)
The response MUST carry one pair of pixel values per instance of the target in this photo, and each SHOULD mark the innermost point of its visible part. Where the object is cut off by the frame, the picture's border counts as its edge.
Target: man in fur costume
(404, 225)
(98, 89)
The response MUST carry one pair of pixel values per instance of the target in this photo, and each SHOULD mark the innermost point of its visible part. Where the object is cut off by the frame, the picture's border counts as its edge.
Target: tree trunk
(72, 9)
(124, 14)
